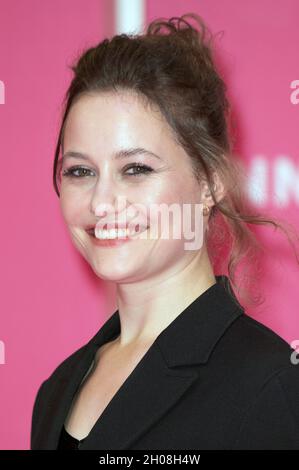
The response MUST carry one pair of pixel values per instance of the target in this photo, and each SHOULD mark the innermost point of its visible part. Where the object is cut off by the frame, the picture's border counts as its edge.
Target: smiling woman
(179, 365)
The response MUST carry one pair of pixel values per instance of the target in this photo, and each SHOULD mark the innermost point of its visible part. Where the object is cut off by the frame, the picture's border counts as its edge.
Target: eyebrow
(119, 155)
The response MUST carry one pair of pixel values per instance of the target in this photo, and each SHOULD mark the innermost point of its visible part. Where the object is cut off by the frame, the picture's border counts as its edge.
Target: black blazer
(214, 378)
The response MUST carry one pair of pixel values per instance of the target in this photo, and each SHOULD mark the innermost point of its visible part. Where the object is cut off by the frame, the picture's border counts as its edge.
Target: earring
(206, 210)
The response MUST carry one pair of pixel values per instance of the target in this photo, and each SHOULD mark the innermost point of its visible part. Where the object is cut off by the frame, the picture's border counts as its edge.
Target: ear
(218, 189)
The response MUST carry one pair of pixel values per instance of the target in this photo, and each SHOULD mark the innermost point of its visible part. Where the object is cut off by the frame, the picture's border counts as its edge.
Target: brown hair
(176, 71)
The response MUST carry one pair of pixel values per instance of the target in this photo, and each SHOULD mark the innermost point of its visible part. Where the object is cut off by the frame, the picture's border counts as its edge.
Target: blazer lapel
(166, 371)
(160, 379)
(148, 393)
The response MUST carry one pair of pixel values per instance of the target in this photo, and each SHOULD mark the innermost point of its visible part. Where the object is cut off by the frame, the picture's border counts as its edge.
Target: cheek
(72, 208)
(170, 192)
(176, 200)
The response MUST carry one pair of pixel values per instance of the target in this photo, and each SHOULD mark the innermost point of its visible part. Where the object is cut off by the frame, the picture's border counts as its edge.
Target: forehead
(111, 119)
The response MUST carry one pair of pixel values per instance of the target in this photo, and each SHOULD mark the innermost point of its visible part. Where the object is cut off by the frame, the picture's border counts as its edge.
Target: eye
(81, 172)
(71, 172)
(142, 169)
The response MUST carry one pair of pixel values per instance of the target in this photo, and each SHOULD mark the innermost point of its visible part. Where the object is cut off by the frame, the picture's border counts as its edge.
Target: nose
(105, 201)
(102, 209)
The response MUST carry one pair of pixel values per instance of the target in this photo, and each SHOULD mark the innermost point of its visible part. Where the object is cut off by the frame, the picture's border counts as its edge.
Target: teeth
(113, 233)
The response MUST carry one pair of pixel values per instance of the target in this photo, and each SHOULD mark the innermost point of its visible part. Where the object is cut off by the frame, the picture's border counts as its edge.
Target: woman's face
(97, 127)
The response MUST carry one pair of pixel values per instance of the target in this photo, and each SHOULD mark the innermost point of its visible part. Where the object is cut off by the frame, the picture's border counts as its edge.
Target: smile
(113, 237)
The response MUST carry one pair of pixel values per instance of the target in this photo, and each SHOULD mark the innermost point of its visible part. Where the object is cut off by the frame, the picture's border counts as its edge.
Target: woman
(179, 365)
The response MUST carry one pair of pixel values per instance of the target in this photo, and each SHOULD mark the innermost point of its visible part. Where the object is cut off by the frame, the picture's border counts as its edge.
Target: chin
(112, 274)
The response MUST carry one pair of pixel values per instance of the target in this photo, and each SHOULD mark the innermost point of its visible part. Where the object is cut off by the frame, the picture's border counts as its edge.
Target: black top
(68, 442)
(214, 378)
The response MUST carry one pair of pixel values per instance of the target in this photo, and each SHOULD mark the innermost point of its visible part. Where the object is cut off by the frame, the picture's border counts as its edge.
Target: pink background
(51, 302)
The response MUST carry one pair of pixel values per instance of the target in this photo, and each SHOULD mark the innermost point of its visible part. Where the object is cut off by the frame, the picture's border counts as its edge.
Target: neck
(146, 308)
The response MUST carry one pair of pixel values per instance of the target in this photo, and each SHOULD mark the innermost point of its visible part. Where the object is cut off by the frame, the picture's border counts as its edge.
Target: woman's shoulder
(252, 334)
(256, 356)
(267, 382)
(251, 342)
